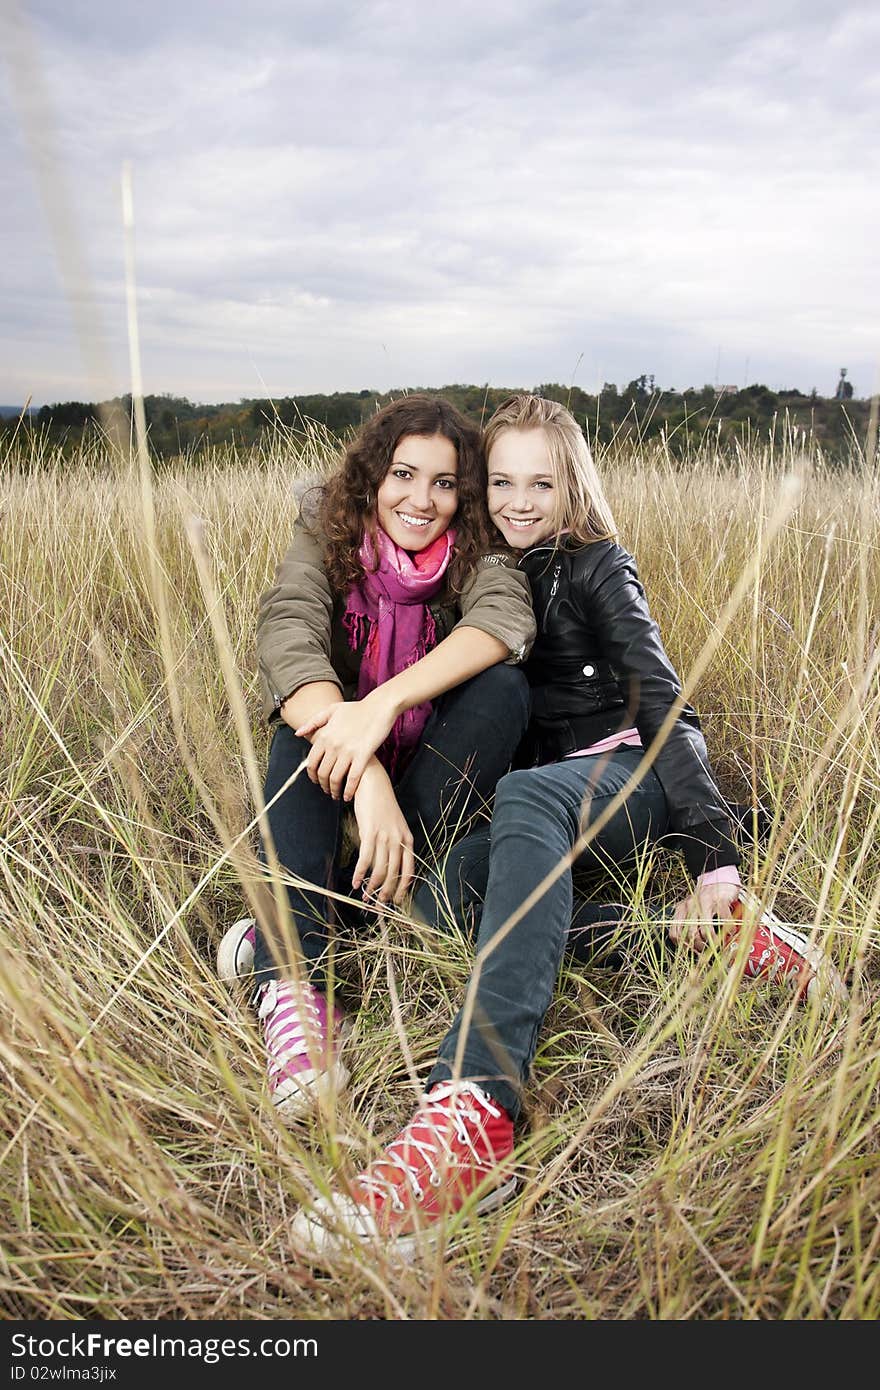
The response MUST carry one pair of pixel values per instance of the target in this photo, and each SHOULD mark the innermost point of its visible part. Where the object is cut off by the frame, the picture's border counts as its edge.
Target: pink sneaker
(302, 1044)
(780, 952)
(235, 955)
(458, 1144)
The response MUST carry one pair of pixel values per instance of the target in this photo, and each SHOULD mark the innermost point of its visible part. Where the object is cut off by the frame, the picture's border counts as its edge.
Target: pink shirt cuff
(728, 873)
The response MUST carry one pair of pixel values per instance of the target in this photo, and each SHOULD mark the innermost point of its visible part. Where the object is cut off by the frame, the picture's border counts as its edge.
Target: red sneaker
(780, 952)
(458, 1141)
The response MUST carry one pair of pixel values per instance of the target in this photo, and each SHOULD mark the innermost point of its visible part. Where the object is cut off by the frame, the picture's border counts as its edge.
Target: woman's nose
(420, 494)
(522, 502)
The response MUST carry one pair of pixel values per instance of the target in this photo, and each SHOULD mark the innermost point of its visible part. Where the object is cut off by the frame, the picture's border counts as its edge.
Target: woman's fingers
(698, 918)
(336, 779)
(343, 740)
(686, 929)
(379, 869)
(407, 872)
(314, 722)
(327, 767)
(392, 867)
(313, 762)
(392, 874)
(355, 773)
(319, 766)
(364, 860)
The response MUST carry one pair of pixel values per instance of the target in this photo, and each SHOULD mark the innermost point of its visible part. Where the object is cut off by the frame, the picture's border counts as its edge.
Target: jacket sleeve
(498, 599)
(617, 609)
(294, 623)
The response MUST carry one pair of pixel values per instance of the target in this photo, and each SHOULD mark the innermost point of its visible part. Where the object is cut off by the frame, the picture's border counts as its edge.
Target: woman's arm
(497, 624)
(631, 641)
(294, 624)
(345, 736)
(617, 609)
(385, 856)
(299, 707)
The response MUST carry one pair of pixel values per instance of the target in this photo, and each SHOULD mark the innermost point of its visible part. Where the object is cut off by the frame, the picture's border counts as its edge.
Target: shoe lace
(435, 1147)
(775, 952)
(787, 953)
(291, 1021)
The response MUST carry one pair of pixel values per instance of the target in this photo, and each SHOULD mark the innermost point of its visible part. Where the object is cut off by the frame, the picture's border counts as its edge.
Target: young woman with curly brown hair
(389, 650)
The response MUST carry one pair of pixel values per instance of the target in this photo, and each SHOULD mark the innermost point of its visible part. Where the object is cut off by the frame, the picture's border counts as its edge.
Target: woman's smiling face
(418, 497)
(522, 487)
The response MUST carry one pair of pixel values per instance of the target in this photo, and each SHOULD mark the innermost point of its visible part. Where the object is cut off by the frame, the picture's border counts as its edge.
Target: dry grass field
(693, 1147)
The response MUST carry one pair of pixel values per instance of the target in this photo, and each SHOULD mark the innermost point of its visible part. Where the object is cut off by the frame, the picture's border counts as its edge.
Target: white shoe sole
(235, 954)
(335, 1226)
(312, 1091)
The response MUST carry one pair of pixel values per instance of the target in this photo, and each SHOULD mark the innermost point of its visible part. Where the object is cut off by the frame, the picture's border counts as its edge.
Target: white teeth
(414, 520)
(510, 521)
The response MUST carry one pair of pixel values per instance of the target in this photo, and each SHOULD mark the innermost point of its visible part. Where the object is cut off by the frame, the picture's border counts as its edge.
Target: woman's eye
(402, 473)
(448, 483)
(499, 482)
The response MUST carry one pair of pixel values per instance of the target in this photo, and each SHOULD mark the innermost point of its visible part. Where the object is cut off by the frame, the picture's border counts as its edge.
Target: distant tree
(65, 415)
(177, 426)
(638, 387)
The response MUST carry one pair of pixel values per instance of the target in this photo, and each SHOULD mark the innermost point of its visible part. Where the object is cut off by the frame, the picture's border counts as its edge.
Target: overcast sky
(334, 195)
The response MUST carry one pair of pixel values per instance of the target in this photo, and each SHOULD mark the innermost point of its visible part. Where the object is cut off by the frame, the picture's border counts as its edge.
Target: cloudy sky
(336, 194)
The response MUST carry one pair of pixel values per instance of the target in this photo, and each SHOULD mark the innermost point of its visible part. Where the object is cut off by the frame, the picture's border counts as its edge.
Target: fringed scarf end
(358, 627)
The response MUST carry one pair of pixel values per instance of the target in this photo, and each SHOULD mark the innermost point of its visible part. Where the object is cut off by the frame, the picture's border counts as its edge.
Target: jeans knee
(505, 691)
(523, 795)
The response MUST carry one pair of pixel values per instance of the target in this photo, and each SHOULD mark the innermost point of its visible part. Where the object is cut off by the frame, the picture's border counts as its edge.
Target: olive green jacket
(301, 637)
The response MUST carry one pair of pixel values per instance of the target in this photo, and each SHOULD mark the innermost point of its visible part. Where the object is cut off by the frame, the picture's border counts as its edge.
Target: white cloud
(374, 194)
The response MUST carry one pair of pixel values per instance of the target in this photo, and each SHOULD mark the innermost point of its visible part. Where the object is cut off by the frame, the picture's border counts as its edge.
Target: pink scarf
(387, 614)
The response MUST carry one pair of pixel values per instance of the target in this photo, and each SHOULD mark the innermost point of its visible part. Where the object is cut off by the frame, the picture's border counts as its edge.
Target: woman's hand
(696, 918)
(344, 737)
(386, 849)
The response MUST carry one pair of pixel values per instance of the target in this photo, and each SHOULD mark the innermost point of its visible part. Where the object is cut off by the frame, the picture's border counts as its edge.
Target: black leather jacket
(597, 667)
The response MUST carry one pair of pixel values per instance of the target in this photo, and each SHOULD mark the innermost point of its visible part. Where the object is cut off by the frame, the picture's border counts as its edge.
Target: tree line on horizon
(639, 411)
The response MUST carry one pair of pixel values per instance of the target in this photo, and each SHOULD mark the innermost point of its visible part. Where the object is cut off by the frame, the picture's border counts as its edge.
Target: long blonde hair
(582, 507)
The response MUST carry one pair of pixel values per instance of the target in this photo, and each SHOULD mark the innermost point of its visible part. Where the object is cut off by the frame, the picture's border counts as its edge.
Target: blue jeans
(467, 744)
(539, 814)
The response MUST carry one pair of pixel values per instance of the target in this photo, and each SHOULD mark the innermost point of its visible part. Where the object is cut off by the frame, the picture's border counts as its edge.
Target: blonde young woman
(602, 686)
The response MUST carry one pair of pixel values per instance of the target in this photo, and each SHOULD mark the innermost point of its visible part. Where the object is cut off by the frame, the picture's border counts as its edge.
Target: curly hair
(347, 503)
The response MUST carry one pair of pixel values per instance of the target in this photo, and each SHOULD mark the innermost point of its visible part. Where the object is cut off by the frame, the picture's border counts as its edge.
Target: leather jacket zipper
(557, 570)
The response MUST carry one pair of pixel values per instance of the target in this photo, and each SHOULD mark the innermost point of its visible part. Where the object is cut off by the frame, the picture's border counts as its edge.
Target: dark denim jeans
(597, 931)
(467, 744)
(539, 814)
